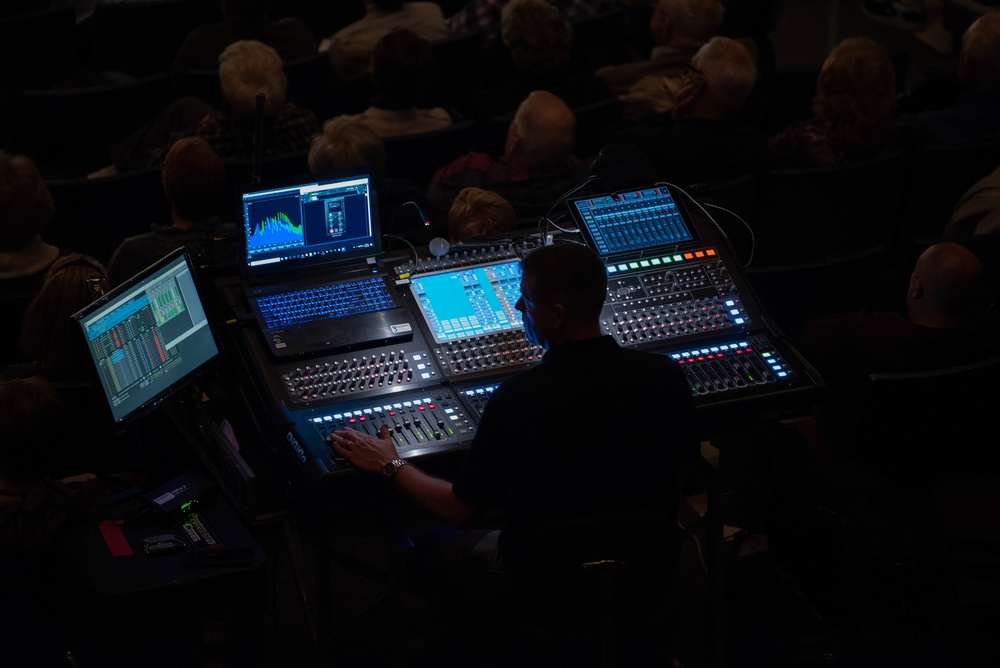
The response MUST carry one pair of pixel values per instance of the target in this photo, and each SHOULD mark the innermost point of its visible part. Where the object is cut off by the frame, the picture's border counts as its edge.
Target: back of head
(346, 145)
(730, 72)
(477, 212)
(979, 64)
(856, 91)
(30, 428)
(49, 336)
(25, 203)
(571, 275)
(401, 65)
(951, 276)
(194, 179)
(546, 128)
(536, 34)
(693, 22)
(249, 67)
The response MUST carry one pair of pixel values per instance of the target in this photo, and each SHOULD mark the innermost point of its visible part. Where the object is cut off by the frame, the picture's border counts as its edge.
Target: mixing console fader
(733, 365)
(419, 424)
(671, 296)
(488, 353)
(324, 379)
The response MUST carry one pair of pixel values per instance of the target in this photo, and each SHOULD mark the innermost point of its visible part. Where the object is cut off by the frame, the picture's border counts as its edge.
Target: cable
(753, 240)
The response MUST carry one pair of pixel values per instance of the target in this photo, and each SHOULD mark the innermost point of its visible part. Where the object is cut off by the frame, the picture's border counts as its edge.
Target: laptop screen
(149, 336)
(632, 221)
(467, 302)
(307, 222)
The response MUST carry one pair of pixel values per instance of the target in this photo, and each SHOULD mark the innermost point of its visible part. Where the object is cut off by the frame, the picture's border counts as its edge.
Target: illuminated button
(655, 261)
(633, 265)
(612, 270)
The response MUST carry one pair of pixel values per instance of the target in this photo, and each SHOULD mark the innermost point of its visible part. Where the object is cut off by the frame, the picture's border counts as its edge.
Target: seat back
(70, 130)
(94, 216)
(417, 157)
(36, 48)
(805, 215)
(916, 426)
(143, 38)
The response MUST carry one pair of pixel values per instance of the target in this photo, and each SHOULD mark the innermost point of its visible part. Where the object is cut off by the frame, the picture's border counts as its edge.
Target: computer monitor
(308, 220)
(148, 337)
(471, 301)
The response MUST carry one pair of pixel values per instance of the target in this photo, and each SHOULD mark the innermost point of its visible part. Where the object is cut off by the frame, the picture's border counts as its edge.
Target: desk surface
(113, 575)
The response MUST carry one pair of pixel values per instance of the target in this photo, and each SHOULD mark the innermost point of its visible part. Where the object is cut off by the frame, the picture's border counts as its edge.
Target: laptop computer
(307, 260)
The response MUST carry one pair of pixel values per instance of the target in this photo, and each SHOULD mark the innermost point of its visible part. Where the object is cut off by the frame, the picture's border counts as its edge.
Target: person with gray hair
(537, 165)
(539, 40)
(679, 28)
(348, 145)
(701, 138)
(246, 68)
(974, 114)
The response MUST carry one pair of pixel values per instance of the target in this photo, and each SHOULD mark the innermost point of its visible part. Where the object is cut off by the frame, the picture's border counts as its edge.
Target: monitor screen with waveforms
(632, 221)
(471, 301)
(149, 336)
(307, 222)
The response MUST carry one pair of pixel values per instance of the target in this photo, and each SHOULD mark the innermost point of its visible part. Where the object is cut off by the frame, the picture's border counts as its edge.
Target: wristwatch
(390, 470)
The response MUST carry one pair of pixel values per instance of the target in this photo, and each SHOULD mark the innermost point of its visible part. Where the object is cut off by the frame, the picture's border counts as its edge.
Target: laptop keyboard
(328, 301)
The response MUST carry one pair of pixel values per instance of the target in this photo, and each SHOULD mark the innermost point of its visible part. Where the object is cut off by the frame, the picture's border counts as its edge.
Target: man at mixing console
(593, 428)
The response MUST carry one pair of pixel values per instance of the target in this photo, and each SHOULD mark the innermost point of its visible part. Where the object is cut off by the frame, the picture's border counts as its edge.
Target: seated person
(946, 324)
(978, 212)
(350, 47)
(401, 65)
(194, 182)
(243, 20)
(973, 115)
(525, 459)
(479, 213)
(346, 146)
(679, 28)
(537, 166)
(701, 139)
(246, 68)
(853, 112)
(484, 15)
(539, 41)
(25, 208)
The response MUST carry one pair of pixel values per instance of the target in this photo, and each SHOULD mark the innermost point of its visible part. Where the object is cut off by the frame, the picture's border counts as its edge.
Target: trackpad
(324, 333)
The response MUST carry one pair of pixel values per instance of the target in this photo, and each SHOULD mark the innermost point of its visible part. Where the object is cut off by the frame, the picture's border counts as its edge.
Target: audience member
(246, 68)
(401, 67)
(243, 20)
(679, 28)
(536, 468)
(484, 15)
(477, 213)
(978, 212)
(50, 339)
(701, 139)
(25, 208)
(345, 146)
(853, 111)
(946, 324)
(350, 47)
(974, 115)
(194, 182)
(539, 41)
(537, 166)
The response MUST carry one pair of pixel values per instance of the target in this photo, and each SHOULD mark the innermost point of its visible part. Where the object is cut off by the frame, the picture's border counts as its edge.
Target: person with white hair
(679, 28)
(246, 68)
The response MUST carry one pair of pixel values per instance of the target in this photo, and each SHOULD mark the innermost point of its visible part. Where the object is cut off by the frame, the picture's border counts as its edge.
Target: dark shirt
(574, 436)
(805, 144)
(970, 118)
(529, 190)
